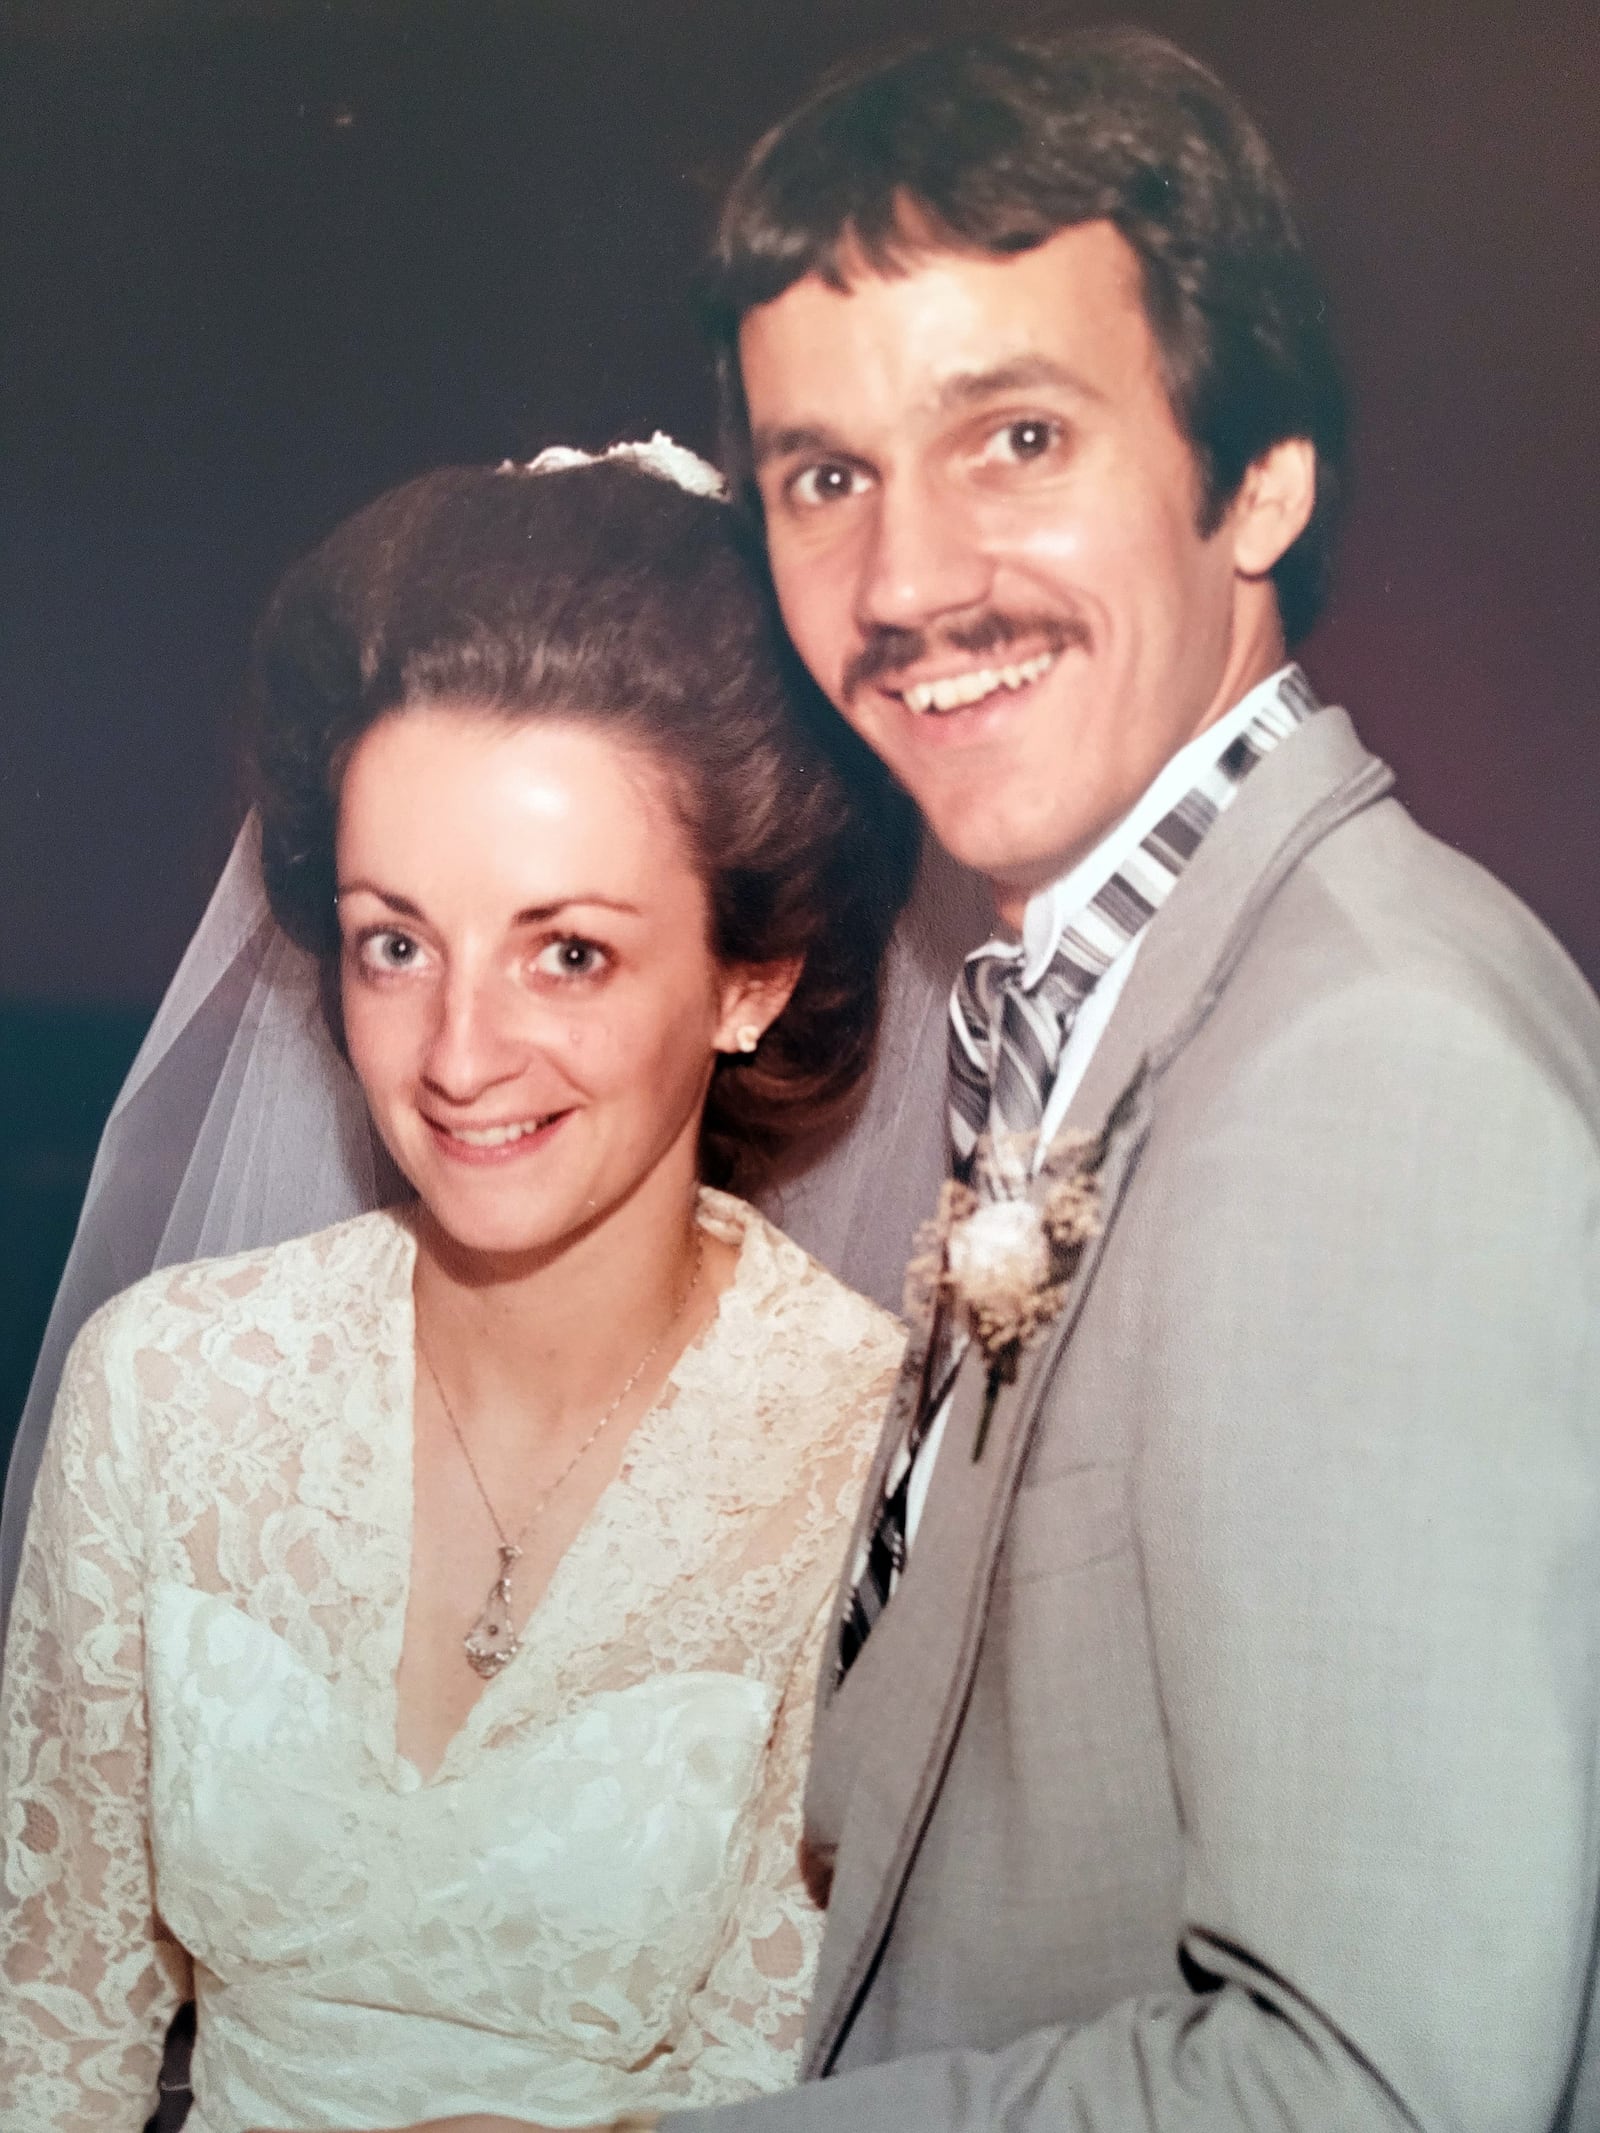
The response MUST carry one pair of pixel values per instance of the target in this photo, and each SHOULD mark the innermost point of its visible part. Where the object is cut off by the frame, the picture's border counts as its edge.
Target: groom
(1225, 1753)
(1214, 1736)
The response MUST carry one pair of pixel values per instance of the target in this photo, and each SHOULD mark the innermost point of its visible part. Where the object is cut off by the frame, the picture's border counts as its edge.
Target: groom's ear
(754, 995)
(1273, 506)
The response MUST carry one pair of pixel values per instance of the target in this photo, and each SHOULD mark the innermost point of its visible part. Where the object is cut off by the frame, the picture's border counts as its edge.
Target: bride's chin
(474, 1245)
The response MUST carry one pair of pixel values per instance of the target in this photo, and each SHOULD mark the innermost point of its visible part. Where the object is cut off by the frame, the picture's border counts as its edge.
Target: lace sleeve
(88, 1980)
(747, 2021)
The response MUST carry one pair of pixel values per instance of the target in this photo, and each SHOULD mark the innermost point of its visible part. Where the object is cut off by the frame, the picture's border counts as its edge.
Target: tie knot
(984, 977)
(994, 977)
(1005, 1043)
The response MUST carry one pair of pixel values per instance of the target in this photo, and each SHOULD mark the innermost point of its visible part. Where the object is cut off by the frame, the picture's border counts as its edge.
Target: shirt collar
(1052, 909)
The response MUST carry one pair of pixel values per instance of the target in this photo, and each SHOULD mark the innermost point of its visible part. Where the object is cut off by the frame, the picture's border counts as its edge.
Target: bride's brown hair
(606, 595)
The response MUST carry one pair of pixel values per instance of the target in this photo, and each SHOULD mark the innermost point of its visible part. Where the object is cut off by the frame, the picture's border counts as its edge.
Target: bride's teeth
(955, 691)
(495, 1136)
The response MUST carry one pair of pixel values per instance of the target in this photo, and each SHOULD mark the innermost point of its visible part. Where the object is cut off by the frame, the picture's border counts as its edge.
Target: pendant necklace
(492, 1641)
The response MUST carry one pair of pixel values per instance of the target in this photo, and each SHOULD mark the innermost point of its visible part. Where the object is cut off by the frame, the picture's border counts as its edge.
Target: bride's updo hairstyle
(604, 595)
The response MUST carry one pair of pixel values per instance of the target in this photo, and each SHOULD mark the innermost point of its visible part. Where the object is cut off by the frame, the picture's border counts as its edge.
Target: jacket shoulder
(1385, 941)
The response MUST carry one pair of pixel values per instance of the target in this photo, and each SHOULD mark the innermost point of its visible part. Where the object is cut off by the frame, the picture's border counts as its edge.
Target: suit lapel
(1311, 782)
(884, 1738)
(899, 1707)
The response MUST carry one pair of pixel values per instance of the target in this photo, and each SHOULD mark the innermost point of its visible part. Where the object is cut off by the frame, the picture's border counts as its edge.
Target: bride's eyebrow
(529, 915)
(401, 904)
(541, 914)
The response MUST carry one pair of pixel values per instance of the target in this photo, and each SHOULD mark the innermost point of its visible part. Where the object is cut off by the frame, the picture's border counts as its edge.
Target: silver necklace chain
(492, 1641)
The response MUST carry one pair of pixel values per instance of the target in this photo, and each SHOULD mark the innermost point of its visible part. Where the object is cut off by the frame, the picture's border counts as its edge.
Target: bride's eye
(571, 957)
(387, 952)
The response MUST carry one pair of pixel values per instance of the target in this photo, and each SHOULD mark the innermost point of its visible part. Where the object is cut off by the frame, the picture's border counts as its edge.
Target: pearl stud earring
(747, 1036)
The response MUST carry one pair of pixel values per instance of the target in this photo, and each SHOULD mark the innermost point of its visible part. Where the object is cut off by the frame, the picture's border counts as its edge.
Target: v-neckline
(405, 1774)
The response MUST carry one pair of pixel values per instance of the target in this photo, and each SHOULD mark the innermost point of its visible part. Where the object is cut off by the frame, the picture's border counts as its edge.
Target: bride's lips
(495, 1143)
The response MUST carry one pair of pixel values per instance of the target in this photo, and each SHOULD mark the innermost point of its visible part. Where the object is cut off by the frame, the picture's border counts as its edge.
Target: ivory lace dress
(594, 1904)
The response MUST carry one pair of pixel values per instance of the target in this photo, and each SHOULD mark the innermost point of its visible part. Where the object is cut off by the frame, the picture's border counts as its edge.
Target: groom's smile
(984, 524)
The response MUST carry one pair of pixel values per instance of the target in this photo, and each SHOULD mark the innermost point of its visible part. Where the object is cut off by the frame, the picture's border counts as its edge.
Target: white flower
(999, 1252)
(1000, 1259)
(660, 456)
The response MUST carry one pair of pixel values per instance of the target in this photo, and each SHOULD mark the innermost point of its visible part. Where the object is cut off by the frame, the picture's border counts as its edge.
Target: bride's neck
(544, 1337)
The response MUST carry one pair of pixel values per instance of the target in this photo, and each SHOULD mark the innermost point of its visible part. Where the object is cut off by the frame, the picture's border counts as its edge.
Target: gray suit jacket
(1229, 1756)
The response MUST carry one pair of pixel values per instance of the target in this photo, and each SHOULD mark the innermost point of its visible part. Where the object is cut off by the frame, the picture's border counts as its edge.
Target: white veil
(239, 1125)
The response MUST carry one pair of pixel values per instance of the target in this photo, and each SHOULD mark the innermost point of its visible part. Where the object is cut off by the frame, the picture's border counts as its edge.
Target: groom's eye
(828, 482)
(1030, 437)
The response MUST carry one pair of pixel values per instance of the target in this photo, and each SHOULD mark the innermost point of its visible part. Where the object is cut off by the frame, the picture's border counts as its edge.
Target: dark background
(258, 261)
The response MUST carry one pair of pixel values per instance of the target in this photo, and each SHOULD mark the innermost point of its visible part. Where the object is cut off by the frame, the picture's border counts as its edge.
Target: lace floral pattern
(594, 1903)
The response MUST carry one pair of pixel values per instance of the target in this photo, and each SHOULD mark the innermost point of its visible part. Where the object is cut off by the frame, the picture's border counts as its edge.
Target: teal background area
(60, 1069)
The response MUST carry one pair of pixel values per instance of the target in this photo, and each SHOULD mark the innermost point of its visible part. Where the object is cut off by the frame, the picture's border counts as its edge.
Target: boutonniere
(1000, 1254)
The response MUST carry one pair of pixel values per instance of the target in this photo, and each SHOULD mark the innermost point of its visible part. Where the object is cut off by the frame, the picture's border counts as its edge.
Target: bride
(414, 1640)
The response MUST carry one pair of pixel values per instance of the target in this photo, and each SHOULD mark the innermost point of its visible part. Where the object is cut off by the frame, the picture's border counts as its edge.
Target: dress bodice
(594, 1902)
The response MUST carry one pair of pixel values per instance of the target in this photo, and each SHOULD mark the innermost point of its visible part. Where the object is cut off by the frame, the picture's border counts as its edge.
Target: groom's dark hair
(992, 144)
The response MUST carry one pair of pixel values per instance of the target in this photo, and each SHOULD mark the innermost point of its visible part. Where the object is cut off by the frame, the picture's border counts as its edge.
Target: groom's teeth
(956, 691)
(496, 1136)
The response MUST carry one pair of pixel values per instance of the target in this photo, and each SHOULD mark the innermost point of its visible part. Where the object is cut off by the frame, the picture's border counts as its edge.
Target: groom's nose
(919, 560)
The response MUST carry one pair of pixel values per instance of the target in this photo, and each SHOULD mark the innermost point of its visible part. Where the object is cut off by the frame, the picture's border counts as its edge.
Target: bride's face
(530, 1001)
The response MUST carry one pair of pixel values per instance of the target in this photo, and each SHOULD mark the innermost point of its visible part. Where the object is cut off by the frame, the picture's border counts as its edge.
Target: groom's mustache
(890, 650)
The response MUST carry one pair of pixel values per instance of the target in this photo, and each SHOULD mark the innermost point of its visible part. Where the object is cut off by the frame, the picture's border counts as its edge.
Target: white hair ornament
(660, 455)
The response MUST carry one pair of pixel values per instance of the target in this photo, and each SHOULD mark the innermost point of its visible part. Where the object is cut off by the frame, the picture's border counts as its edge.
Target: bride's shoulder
(796, 1298)
(323, 1276)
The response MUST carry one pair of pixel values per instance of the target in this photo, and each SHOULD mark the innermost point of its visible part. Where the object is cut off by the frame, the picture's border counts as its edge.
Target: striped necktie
(1006, 1039)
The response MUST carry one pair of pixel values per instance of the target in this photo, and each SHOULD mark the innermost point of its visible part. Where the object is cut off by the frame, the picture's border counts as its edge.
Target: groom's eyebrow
(769, 441)
(967, 388)
(1021, 374)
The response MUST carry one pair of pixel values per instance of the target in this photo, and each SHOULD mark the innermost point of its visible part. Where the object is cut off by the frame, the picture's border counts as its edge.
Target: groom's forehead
(940, 329)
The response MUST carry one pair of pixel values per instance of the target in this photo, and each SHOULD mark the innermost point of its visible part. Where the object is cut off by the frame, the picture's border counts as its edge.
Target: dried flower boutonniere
(1000, 1253)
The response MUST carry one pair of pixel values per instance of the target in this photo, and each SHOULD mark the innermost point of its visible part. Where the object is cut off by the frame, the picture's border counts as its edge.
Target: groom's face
(983, 523)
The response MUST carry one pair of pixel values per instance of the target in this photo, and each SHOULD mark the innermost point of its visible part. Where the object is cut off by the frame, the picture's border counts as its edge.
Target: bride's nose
(475, 1039)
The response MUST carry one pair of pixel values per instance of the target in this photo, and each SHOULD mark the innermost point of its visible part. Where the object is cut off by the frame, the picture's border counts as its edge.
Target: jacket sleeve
(1368, 1510)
